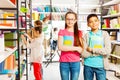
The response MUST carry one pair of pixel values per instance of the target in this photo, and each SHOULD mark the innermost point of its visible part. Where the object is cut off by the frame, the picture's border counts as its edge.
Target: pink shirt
(68, 39)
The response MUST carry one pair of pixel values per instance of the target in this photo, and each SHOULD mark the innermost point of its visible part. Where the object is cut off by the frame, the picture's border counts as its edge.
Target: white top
(37, 49)
(55, 36)
(47, 31)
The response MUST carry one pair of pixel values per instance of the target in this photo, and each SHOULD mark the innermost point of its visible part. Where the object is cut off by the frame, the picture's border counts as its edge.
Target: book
(2, 47)
(118, 36)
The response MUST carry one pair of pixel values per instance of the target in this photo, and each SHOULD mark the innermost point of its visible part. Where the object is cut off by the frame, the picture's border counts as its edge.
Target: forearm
(24, 39)
(67, 48)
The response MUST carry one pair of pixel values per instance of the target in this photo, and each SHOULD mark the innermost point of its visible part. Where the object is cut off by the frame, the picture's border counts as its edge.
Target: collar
(98, 33)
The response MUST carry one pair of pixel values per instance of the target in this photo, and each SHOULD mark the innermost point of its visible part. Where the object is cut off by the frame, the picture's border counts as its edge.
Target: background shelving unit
(59, 8)
(84, 8)
(110, 20)
(13, 45)
(56, 9)
(7, 52)
(111, 17)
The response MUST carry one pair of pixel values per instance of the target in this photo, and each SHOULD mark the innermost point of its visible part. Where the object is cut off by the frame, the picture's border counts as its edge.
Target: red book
(107, 23)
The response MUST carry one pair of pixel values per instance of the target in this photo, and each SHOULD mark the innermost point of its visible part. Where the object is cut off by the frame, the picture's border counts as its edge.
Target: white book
(2, 47)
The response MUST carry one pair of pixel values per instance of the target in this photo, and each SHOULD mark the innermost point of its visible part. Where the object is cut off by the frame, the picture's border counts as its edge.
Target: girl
(71, 45)
(37, 50)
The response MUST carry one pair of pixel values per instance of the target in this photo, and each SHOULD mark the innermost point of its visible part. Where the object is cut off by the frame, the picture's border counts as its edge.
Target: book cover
(2, 47)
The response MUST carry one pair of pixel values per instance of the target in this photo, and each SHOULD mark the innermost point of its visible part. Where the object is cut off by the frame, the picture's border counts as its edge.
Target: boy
(97, 47)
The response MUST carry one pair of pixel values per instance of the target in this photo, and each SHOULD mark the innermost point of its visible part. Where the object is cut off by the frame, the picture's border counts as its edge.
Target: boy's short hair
(91, 15)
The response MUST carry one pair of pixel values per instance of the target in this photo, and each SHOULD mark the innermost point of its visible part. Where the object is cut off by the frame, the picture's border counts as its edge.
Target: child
(97, 46)
(54, 39)
(71, 45)
(37, 50)
(47, 30)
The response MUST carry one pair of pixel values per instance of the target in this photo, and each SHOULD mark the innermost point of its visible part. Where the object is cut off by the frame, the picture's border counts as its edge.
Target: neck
(70, 29)
(94, 30)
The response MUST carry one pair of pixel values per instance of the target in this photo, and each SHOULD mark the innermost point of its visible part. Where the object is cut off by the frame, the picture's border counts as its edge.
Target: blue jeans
(89, 72)
(69, 69)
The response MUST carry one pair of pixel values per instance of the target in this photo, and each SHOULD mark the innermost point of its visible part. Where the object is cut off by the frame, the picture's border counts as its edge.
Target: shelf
(6, 4)
(41, 12)
(110, 29)
(89, 13)
(6, 77)
(58, 13)
(115, 42)
(9, 28)
(89, 6)
(111, 16)
(5, 54)
(111, 2)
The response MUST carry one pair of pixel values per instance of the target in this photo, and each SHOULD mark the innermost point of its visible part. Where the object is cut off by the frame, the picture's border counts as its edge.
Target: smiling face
(70, 20)
(93, 23)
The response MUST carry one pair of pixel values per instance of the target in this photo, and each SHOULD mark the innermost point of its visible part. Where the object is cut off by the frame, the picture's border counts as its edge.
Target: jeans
(89, 72)
(69, 70)
(54, 45)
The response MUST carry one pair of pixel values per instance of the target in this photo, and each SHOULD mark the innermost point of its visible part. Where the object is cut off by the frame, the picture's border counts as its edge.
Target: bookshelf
(111, 23)
(56, 9)
(13, 48)
(84, 8)
(111, 18)
(59, 9)
(8, 8)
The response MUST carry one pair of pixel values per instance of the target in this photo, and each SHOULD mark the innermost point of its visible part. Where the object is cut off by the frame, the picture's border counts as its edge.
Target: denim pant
(69, 69)
(89, 72)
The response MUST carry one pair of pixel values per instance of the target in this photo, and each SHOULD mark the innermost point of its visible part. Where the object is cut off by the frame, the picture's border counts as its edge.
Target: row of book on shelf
(48, 8)
(40, 16)
(11, 23)
(114, 9)
(112, 23)
(8, 65)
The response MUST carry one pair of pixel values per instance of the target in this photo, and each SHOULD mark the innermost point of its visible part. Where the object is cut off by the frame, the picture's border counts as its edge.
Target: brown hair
(91, 15)
(36, 29)
(77, 40)
(37, 23)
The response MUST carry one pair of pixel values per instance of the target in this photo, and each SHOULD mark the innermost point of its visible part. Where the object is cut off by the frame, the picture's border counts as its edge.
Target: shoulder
(61, 32)
(105, 33)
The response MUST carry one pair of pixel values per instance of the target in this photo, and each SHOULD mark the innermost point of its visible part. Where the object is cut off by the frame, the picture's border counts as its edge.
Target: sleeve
(85, 53)
(61, 32)
(107, 45)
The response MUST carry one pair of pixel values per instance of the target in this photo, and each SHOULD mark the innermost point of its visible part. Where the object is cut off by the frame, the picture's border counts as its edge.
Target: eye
(68, 19)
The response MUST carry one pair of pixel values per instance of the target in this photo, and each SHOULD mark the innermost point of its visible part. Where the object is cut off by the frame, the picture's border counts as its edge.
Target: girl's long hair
(78, 41)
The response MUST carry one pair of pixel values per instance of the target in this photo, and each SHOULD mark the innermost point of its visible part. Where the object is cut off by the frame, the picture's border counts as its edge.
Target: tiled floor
(51, 72)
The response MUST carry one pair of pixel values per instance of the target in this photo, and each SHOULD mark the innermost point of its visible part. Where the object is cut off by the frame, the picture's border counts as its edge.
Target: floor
(51, 72)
